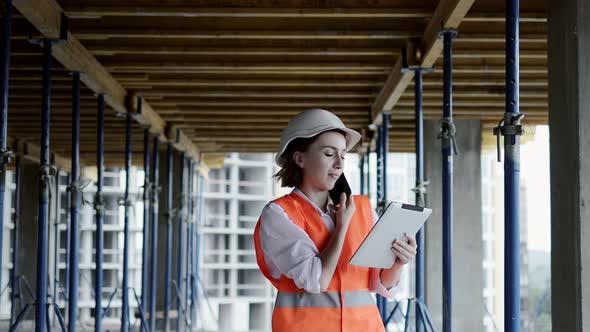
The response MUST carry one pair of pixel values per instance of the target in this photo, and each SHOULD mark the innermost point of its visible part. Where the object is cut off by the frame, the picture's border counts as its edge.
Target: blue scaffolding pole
(362, 173)
(15, 232)
(99, 209)
(421, 313)
(44, 193)
(447, 134)
(154, 236)
(5, 153)
(511, 129)
(168, 245)
(128, 206)
(189, 244)
(369, 170)
(56, 278)
(74, 189)
(195, 248)
(181, 217)
(382, 190)
(146, 218)
(199, 216)
(420, 190)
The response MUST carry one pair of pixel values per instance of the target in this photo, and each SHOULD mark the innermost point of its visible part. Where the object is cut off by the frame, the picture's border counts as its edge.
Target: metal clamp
(421, 189)
(452, 31)
(147, 188)
(508, 126)
(447, 134)
(99, 205)
(6, 156)
(78, 187)
(126, 203)
(45, 173)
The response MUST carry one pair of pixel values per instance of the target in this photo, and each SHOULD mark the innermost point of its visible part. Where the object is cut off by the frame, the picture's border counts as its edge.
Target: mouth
(334, 176)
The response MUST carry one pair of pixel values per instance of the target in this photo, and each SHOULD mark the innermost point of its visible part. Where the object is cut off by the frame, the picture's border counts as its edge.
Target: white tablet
(396, 219)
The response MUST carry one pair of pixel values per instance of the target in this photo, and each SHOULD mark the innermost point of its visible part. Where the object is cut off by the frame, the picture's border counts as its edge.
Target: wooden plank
(160, 33)
(277, 51)
(32, 152)
(46, 17)
(183, 82)
(448, 14)
(268, 94)
(89, 11)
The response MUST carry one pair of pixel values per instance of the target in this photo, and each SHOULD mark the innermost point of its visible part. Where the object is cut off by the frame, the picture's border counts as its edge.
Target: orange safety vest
(347, 305)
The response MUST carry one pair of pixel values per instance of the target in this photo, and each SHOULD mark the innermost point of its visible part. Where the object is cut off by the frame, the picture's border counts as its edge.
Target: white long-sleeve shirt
(290, 251)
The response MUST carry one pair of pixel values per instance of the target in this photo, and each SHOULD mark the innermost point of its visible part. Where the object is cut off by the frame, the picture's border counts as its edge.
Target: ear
(298, 158)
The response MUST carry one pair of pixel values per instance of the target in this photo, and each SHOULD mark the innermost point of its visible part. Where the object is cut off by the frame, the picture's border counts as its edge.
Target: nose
(339, 162)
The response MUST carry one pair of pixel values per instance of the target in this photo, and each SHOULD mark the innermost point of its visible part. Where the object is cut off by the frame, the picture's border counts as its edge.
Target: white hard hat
(310, 123)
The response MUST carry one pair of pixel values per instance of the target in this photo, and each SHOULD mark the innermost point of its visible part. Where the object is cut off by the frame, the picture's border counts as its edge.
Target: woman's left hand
(405, 249)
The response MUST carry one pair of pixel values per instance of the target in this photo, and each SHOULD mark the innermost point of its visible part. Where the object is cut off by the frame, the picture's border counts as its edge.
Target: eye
(329, 155)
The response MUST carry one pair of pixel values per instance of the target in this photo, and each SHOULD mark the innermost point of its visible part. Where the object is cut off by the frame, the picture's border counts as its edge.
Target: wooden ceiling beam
(278, 51)
(46, 17)
(254, 94)
(329, 104)
(183, 82)
(159, 33)
(499, 17)
(448, 14)
(458, 52)
(93, 12)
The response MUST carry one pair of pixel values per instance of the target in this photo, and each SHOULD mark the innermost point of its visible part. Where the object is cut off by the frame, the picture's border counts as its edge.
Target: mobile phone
(340, 186)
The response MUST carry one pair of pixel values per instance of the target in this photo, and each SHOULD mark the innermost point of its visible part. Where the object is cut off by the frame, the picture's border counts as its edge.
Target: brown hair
(291, 175)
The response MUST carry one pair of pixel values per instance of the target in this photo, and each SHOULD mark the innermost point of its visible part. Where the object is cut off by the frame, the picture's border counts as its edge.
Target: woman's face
(323, 162)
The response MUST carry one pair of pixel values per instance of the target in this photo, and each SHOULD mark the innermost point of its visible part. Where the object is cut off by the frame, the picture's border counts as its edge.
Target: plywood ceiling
(230, 74)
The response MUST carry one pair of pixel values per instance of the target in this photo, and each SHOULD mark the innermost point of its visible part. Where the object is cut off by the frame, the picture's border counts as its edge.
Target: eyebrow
(333, 147)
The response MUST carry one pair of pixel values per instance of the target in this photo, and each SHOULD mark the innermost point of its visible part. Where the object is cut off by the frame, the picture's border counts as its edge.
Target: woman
(303, 243)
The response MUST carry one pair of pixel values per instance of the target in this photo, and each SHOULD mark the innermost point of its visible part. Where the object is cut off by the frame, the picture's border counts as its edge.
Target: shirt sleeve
(288, 249)
(375, 284)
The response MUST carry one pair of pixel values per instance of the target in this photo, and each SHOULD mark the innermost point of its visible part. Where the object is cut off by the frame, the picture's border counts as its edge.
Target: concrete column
(569, 121)
(467, 271)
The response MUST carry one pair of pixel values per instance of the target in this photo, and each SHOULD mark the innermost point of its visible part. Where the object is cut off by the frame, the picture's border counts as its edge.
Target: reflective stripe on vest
(354, 298)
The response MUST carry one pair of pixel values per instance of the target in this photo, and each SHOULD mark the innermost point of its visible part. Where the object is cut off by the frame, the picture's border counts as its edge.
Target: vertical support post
(369, 171)
(15, 233)
(181, 218)
(146, 219)
(56, 232)
(44, 193)
(199, 218)
(362, 175)
(448, 143)
(379, 183)
(194, 248)
(189, 242)
(74, 201)
(419, 119)
(67, 242)
(99, 209)
(125, 296)
(512, 172)
(4, 73)
(384, 154)
(154, 236)
(168, 249)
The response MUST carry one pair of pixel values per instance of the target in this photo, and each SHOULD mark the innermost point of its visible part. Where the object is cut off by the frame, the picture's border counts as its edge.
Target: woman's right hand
(345, 211)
